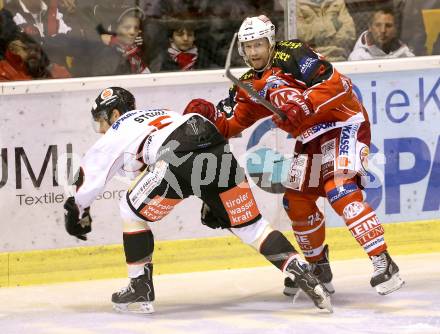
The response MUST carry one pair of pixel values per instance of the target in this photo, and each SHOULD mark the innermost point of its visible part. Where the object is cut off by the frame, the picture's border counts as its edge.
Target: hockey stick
(246, 88)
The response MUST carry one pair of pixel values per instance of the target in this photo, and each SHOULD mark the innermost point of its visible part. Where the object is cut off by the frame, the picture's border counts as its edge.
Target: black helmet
(113, 98)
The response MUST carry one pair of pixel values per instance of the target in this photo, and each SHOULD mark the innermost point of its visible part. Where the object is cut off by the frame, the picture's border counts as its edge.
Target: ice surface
(245, 301)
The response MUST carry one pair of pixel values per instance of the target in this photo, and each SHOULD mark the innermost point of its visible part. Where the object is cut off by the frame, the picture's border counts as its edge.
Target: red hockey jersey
(295, 69)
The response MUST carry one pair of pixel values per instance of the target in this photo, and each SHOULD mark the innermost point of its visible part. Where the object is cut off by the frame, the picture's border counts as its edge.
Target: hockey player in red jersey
(167, 156)
(333, 131)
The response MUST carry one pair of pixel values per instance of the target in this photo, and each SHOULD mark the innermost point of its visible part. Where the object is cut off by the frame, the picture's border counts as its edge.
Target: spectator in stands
(326, 26)
(127, 39)
(43, 22)
(380, 40)
(78, 15)
(8, 29)
(182, 52)
(106, 12)
(37, 19)
(26, 60)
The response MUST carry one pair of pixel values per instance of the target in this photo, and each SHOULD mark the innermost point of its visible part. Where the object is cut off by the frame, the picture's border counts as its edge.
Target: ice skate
(298, 270)
(385, 278)
(320, 269)
(290, 287)
(138, 296)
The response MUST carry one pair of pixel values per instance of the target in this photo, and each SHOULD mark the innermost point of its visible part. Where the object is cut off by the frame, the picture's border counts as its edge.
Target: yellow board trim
(178, 256)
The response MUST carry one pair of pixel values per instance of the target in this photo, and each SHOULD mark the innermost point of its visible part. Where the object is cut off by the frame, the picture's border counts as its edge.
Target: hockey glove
(297, 110)
(226, 106)
(210, 219)
(73, 224)
(202, 107)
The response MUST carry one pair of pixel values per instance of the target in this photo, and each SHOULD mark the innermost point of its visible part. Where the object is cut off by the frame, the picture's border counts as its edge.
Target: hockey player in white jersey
(171, 157)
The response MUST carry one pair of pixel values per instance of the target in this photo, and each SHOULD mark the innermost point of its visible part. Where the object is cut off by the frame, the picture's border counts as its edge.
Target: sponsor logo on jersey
(367, 230)
(306, 65)
(317, 128)
(280, 96)
(272, 82)
(146, 149)
(344, 140)
(340, 192)
(192, 122)
(344, 162)
(118, 122)
(374, 244)
(353, 210)
(302, 104)
(281, 55)
(328, 151)
(304, 241)
(146, 183)
(247, 76)
(290, 44)
(297, 172)
(347, 138)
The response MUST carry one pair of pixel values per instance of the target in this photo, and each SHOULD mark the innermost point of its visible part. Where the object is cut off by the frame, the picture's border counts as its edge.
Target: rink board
(193, 255)
(46, 128)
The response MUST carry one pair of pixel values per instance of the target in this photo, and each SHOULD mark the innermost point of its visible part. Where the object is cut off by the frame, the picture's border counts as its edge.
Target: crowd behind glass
(79, 38)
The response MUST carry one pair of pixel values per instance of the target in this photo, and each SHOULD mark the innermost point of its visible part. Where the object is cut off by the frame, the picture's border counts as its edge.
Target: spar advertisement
(404, 163)
(44, 135)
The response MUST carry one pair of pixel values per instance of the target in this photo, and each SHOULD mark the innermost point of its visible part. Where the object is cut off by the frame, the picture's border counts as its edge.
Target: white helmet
(254, 28)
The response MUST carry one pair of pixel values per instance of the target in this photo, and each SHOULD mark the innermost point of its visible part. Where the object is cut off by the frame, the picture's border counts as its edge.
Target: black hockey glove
(226, 106)
(209, 219)
(73, 224)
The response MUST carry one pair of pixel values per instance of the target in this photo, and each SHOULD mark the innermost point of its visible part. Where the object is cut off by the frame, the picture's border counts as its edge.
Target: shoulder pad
(289, 44)
(248, 75)
(296, 57)
(287, 51)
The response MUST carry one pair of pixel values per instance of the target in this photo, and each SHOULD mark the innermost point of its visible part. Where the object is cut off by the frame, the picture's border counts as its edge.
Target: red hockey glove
(201, 107)
(297, 110)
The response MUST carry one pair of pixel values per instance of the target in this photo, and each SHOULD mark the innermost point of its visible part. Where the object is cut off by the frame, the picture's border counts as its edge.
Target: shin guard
(310, 238)
(138, 249)
(360, 218)
(277, 249)
(307, 223)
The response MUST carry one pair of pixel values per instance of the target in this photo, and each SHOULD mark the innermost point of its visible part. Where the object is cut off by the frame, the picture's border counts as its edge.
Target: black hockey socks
(277, 249)
(138, 246)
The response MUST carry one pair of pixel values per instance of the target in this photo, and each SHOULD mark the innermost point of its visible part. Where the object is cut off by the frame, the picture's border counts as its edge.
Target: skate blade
(393, 284)
(330, 288)
(325, 303)
(140, 307)
(290, 292)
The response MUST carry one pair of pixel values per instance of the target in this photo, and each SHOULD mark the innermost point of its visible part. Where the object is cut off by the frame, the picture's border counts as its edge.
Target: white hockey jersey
(120, 151)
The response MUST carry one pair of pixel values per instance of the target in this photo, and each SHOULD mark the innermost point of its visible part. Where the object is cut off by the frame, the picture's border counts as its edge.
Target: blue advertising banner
(404, 164)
